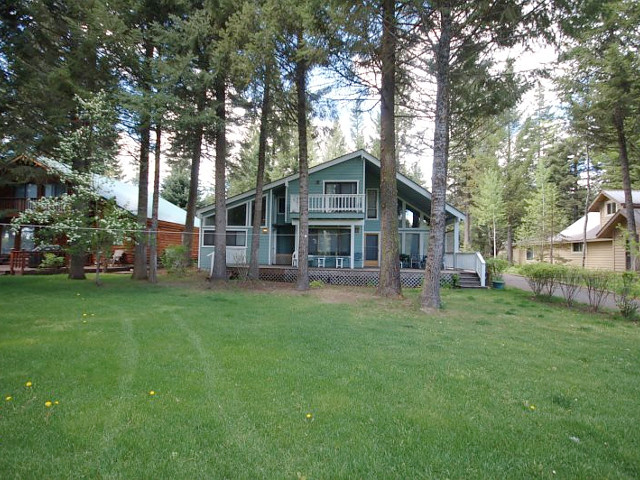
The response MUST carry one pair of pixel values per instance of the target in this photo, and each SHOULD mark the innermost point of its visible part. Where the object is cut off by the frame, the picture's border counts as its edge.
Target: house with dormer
(606, 222)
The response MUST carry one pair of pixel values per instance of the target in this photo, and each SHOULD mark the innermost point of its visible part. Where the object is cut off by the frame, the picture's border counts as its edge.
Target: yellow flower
(84, 314)
(8, 398)
(152, 393)
(28, 384)
(309, 416)
(56, 402)
(532, 407)
(47, 404)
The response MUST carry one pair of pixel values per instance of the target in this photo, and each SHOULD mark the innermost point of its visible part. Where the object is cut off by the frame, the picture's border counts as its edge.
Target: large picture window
(235, 238)
(330, 241)
(237, 216)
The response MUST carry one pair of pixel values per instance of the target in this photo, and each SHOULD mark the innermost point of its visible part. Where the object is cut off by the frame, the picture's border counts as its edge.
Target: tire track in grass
(240, 432)
(120, 405)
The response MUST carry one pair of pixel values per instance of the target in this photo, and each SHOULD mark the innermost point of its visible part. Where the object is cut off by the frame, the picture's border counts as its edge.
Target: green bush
(597, 283)
(542, 277)
(495, 268)
(174, 259)
(51, 260)
(626, 291)
(570, 282)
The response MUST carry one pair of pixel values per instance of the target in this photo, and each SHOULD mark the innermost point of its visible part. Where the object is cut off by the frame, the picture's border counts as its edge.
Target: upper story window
(372, 204)
(612, 207)
(237, 216)
(340, 188)
(263, 217)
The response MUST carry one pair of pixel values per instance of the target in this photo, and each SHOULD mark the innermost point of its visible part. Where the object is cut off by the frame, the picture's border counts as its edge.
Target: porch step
(469, 280)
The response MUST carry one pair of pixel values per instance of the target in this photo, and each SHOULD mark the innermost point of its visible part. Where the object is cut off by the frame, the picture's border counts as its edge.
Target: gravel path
(518, 281)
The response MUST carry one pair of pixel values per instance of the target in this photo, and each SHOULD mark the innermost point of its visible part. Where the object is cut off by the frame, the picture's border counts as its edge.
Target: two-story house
(344, 219)
(606, 223)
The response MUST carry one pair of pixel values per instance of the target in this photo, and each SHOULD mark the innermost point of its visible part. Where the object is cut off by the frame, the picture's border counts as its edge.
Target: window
(263, 217)
(330, 241)
(408, 216)
(237, 216)
(612, 208)
(340, 188)
(235, 238)
(372, 204)
(282, 205)
(576, 247)
(210, 221)
(529, 253)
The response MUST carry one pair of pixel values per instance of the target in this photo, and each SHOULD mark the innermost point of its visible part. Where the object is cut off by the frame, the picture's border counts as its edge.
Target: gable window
(372, 204)
(340, 188)
(612, 207)
(237, 216)
(576, 247)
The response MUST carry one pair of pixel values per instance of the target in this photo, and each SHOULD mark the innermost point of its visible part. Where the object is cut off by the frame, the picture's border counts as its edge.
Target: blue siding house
(344, 219)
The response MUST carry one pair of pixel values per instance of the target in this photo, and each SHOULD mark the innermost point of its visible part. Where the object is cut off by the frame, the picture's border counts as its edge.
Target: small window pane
(208, 238)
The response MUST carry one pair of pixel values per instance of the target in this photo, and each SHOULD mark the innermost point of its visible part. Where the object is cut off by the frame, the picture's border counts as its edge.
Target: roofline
(349, 156)
(603, 193)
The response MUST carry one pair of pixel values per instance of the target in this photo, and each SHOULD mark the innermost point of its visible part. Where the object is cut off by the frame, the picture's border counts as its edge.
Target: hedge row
(545, 279)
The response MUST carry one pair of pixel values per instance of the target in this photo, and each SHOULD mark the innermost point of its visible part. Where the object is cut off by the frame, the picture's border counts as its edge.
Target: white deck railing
(467, 261)
(330, 203)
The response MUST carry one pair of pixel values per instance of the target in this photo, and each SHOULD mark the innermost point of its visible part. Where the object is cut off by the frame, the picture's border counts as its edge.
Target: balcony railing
(15, 204)
(330, 203)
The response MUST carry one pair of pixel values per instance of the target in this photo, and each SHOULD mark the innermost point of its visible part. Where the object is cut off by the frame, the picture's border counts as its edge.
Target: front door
(371, 250)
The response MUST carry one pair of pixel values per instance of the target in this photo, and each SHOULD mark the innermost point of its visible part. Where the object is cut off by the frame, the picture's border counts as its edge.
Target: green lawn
(495, 386)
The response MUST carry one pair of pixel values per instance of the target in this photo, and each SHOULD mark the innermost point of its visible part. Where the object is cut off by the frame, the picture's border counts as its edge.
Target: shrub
(597, 283)
(51, 260)
(495, 268)
(541, 277)
(626, 294)
(570, 281)
(173, 259)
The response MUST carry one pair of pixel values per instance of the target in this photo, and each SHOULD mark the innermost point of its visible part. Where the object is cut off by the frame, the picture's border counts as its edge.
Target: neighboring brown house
(24, 179)
(606, 222)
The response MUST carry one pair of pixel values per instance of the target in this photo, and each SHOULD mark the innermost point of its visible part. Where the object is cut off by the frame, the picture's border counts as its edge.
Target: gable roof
(349, 156)
(613, 196)
(575, 231)
(125, 194)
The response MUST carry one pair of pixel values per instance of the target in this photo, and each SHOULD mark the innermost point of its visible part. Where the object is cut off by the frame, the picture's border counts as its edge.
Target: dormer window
(612, 207)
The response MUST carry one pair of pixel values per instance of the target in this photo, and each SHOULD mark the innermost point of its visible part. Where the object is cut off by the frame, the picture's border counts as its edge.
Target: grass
(495, 386)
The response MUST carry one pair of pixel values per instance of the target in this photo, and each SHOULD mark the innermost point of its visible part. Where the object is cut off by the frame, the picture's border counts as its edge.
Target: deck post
(456, 241)
(353, 243)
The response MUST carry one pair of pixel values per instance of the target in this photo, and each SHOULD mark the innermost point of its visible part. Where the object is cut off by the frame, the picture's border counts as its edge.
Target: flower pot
(498, 284)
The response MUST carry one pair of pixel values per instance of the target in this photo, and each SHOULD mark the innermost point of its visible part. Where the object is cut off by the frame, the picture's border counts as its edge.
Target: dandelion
(48, 404)
(56, 402)
(309, 416)
(152, 393)
(84, 314)
(28, 384)
(532, 407)
(8, 398)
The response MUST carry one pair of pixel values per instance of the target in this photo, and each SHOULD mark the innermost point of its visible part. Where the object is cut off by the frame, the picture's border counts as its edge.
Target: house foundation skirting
(359, 278)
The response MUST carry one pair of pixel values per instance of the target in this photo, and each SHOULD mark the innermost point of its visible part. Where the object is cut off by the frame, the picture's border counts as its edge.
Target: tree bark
(192, 202)
(632, 245)
(220, 256)
(430, 298)
(389, 281)
(254, 270)
(140, 260)
(153, 251)
(303, 166)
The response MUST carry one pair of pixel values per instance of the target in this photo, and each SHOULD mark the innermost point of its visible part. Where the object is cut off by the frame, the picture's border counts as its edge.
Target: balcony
(331, 203)
(15, 204)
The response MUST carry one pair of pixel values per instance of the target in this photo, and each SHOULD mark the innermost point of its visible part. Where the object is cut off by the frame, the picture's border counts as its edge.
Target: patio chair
(118, 256)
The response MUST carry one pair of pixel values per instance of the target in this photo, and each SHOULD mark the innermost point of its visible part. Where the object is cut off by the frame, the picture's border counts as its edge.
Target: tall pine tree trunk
(303, 182)
(618, 122)
(153, 248)
(430, 298)
(192, 202)
(254, 270)
(140, 260)
(220, 256)
(389, 282)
